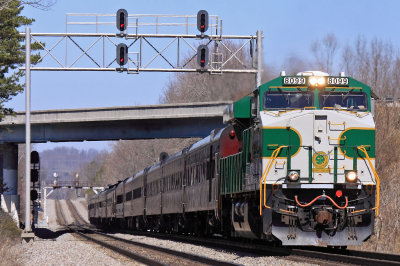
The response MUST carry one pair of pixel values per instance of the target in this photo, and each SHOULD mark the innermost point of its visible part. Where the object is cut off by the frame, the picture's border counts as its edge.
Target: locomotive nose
(323, 217)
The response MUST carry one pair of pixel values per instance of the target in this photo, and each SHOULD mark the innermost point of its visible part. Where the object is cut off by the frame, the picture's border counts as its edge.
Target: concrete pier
(9, 174)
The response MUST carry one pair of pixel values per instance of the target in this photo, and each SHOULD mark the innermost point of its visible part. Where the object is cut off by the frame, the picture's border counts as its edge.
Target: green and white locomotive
(305, 171)
(294, 164)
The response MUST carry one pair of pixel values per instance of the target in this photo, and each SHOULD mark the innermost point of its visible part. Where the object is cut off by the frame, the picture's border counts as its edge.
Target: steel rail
(75, 214)
(60, 215)
(351, 257)
(121, 251)
(152, 248)
(325, 254)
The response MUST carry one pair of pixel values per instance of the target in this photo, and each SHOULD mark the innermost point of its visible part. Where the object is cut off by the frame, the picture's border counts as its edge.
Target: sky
(289, 28)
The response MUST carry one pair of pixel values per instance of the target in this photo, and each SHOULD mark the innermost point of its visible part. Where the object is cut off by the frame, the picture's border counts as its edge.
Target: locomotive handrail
(280, 112)
(274, 155)
(337, 124)
(364, 113)
(362, 148)
(344, 138)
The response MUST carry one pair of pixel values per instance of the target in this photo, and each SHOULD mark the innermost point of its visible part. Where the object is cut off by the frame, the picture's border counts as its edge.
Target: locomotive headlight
(321, 81)
(293, 176)
(313, 81)
(317, 81)
(351, 176)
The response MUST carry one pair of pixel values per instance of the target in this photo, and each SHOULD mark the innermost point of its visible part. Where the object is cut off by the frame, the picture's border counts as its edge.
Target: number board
(294, 81)
(337, 82)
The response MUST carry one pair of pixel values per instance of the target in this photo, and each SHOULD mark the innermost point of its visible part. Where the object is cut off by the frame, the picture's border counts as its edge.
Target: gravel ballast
(53, 246)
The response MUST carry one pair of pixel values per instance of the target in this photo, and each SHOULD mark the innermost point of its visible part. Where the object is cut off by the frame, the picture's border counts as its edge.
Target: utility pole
(259, 58)
(27, 235)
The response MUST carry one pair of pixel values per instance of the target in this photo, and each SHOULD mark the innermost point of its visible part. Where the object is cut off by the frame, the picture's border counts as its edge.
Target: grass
(10, 235)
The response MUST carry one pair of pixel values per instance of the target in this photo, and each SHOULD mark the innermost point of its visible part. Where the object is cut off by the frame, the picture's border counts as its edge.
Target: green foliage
(12, 53)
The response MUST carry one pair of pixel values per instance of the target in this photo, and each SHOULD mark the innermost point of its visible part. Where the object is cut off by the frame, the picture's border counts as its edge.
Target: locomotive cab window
(288, 99)
(346, 100)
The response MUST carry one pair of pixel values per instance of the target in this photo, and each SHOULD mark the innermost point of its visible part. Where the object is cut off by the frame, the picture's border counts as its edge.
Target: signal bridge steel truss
(148, 52)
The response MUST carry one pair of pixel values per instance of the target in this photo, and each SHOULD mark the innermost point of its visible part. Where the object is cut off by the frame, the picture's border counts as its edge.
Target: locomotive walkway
(114, 123)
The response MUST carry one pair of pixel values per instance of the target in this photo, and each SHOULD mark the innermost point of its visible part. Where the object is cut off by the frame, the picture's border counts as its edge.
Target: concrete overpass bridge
(95, 124)
(114, 123)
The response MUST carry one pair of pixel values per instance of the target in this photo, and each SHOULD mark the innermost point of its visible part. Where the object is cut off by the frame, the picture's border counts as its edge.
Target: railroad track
(149, 254)
(59, 213)
(75, 214)
(314, 255)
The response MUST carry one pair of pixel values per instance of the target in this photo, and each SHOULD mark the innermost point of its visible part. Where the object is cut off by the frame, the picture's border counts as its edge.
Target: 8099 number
(294, 81)
(338, 81)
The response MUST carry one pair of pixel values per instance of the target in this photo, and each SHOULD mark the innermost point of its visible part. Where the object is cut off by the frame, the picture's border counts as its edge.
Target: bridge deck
(113, 123)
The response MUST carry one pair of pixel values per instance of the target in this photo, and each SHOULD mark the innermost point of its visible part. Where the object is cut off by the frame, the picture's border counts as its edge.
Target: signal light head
(202, 21)
(339, 193)
(122, 19)
(34, 195)
(202, 55)
(122, 54)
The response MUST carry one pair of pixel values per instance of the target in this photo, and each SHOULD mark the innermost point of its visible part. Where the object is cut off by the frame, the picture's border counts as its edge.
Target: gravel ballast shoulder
(232, 257)
(57, 247)
(53, 246)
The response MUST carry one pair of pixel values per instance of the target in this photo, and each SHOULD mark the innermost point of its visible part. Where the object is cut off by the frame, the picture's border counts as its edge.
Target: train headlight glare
(293, 176)
(351, 176)
(313, 81)
(317, 81)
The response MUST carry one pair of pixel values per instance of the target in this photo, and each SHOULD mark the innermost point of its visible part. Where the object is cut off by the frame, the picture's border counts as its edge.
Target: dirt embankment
(10, 236)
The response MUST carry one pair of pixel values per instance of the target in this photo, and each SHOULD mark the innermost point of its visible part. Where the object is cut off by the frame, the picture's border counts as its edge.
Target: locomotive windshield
(284, 100)
(347, 100)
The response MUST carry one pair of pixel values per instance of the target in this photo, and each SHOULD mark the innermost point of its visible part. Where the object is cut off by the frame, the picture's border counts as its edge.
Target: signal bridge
(88, 56)
(74, 184)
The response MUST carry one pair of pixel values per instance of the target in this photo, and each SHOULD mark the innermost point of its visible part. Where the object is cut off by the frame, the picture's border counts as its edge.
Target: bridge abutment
(9, 172)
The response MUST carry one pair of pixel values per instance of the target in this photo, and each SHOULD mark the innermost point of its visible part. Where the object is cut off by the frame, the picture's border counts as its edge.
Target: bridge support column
(9, 176)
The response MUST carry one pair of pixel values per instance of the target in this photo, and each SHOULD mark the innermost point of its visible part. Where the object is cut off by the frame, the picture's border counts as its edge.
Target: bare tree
(129, 157)
(188, 87)
(39, 4)
(4, 3)
(324, 52)
(293, 64)
(375, 63)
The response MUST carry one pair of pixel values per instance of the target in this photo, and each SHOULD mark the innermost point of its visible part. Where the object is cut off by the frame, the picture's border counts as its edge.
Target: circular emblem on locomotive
(320, 159)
